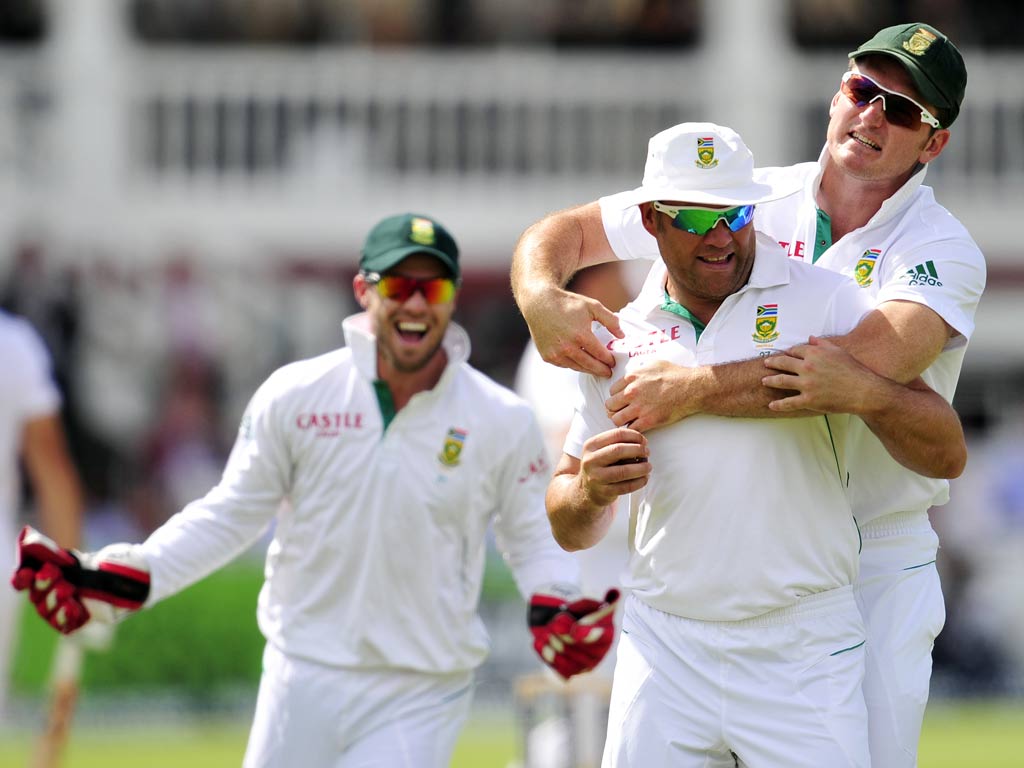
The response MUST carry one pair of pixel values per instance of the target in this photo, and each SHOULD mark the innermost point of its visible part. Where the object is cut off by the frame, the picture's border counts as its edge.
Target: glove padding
(68, 587)
(572, 636)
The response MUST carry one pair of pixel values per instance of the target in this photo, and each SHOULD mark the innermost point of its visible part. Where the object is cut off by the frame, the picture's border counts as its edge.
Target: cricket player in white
(383, 464)
(30, 431)
(863, 211)
(743, 544)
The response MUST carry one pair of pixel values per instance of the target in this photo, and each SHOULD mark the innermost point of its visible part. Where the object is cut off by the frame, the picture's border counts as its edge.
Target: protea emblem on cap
(449, 455)
(765, 323)
(919, 42)
(422, 232)
(705, 152)
(866, 265)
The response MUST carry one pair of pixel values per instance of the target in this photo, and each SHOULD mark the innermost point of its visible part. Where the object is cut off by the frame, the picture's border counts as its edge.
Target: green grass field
(978, 735)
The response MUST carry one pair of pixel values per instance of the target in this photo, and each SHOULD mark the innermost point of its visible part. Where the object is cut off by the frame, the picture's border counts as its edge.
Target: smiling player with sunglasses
(721, 568)
(863, 211)
(383, 464)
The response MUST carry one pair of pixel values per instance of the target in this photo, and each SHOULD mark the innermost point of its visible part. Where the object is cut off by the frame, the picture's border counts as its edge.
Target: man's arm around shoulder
(548, 253)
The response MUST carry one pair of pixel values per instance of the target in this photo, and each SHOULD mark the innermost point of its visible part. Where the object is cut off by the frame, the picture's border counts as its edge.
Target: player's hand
(572, 636)
(614, 462)
(824, 377)
(561, 325)
(652, 395)
(68, 587)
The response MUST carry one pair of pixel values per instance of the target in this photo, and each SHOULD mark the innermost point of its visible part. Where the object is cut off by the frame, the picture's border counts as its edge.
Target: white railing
(255, 151)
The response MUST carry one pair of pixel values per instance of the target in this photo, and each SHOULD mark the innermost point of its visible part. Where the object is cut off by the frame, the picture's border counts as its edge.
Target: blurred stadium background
(184, 186)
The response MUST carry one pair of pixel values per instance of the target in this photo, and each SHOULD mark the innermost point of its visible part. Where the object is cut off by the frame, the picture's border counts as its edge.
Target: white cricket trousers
(782, 690)
(317, 716)
(900, 598)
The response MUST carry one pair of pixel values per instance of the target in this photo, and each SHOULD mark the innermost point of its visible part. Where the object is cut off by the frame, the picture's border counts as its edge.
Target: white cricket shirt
(913, 249)
(378, 553)
(740, 516)
(27, 391)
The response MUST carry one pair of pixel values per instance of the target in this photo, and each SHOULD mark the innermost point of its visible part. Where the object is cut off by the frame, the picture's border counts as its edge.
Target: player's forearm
(202, 538)
(735, 389)
(59, 499)
(917, 426)
(661, 393)
(54, 480)
(577, 520)
(551, 250)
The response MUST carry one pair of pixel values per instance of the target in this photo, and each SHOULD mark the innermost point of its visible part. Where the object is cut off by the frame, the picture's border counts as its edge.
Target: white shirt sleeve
(590, 418)
(947, 277)
(212, 531)
(625, 231)
(521, 526)
(27, 361)
(846, 308)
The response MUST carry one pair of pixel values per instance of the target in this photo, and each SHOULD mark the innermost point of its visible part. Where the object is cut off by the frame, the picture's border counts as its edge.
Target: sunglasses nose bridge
(878, 100)
(720, 230)
(416, 295)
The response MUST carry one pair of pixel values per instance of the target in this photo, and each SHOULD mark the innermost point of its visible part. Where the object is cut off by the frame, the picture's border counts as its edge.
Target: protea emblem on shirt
(865, 266)
(765, 323)
(449, 455)
(706, 152)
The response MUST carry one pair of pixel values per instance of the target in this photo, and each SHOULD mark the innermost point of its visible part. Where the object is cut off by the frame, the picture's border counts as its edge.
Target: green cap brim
(386, 261)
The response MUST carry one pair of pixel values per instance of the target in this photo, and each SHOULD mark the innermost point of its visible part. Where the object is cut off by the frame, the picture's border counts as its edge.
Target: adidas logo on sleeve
(922, 274)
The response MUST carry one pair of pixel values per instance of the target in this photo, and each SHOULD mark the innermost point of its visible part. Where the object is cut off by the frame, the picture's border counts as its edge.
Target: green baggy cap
(396, 237)
(934, 63)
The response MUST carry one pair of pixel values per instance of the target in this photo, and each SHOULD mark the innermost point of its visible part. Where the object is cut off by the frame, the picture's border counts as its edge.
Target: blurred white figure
(30, 430)
(575, 735)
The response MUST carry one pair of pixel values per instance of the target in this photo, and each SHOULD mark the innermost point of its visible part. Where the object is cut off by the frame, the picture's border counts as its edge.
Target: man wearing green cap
(382, 464)
(863, 211)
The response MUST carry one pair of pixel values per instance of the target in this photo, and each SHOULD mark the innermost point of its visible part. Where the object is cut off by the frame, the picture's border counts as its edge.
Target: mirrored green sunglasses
(698, 220)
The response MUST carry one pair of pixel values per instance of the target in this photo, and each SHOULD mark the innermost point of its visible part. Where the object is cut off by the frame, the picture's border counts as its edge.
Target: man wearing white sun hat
(741, 639)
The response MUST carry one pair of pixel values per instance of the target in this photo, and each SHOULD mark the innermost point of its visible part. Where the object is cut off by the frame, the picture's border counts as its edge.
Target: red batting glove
(68, 587)
(40, 570)
(572, 637)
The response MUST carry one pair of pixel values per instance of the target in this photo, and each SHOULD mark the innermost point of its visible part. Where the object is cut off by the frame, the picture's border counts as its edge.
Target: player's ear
(361, 288)
(647, 214)
(934, 145)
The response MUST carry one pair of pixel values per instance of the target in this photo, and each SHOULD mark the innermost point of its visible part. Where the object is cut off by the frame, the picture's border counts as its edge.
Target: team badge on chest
(452, 449)
(765, 324)
(865, 266)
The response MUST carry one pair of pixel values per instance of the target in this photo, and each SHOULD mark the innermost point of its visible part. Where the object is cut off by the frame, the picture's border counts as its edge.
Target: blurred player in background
(383, 462)
(30, 430)
(863, 211)
(553, 393)
(574, 737)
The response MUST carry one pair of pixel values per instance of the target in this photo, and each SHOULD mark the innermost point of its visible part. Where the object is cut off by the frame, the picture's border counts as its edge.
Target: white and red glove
(572, 635)
(68, 587)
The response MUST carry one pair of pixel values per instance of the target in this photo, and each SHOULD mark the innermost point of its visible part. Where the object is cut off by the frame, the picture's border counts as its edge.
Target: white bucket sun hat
(703, 164)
